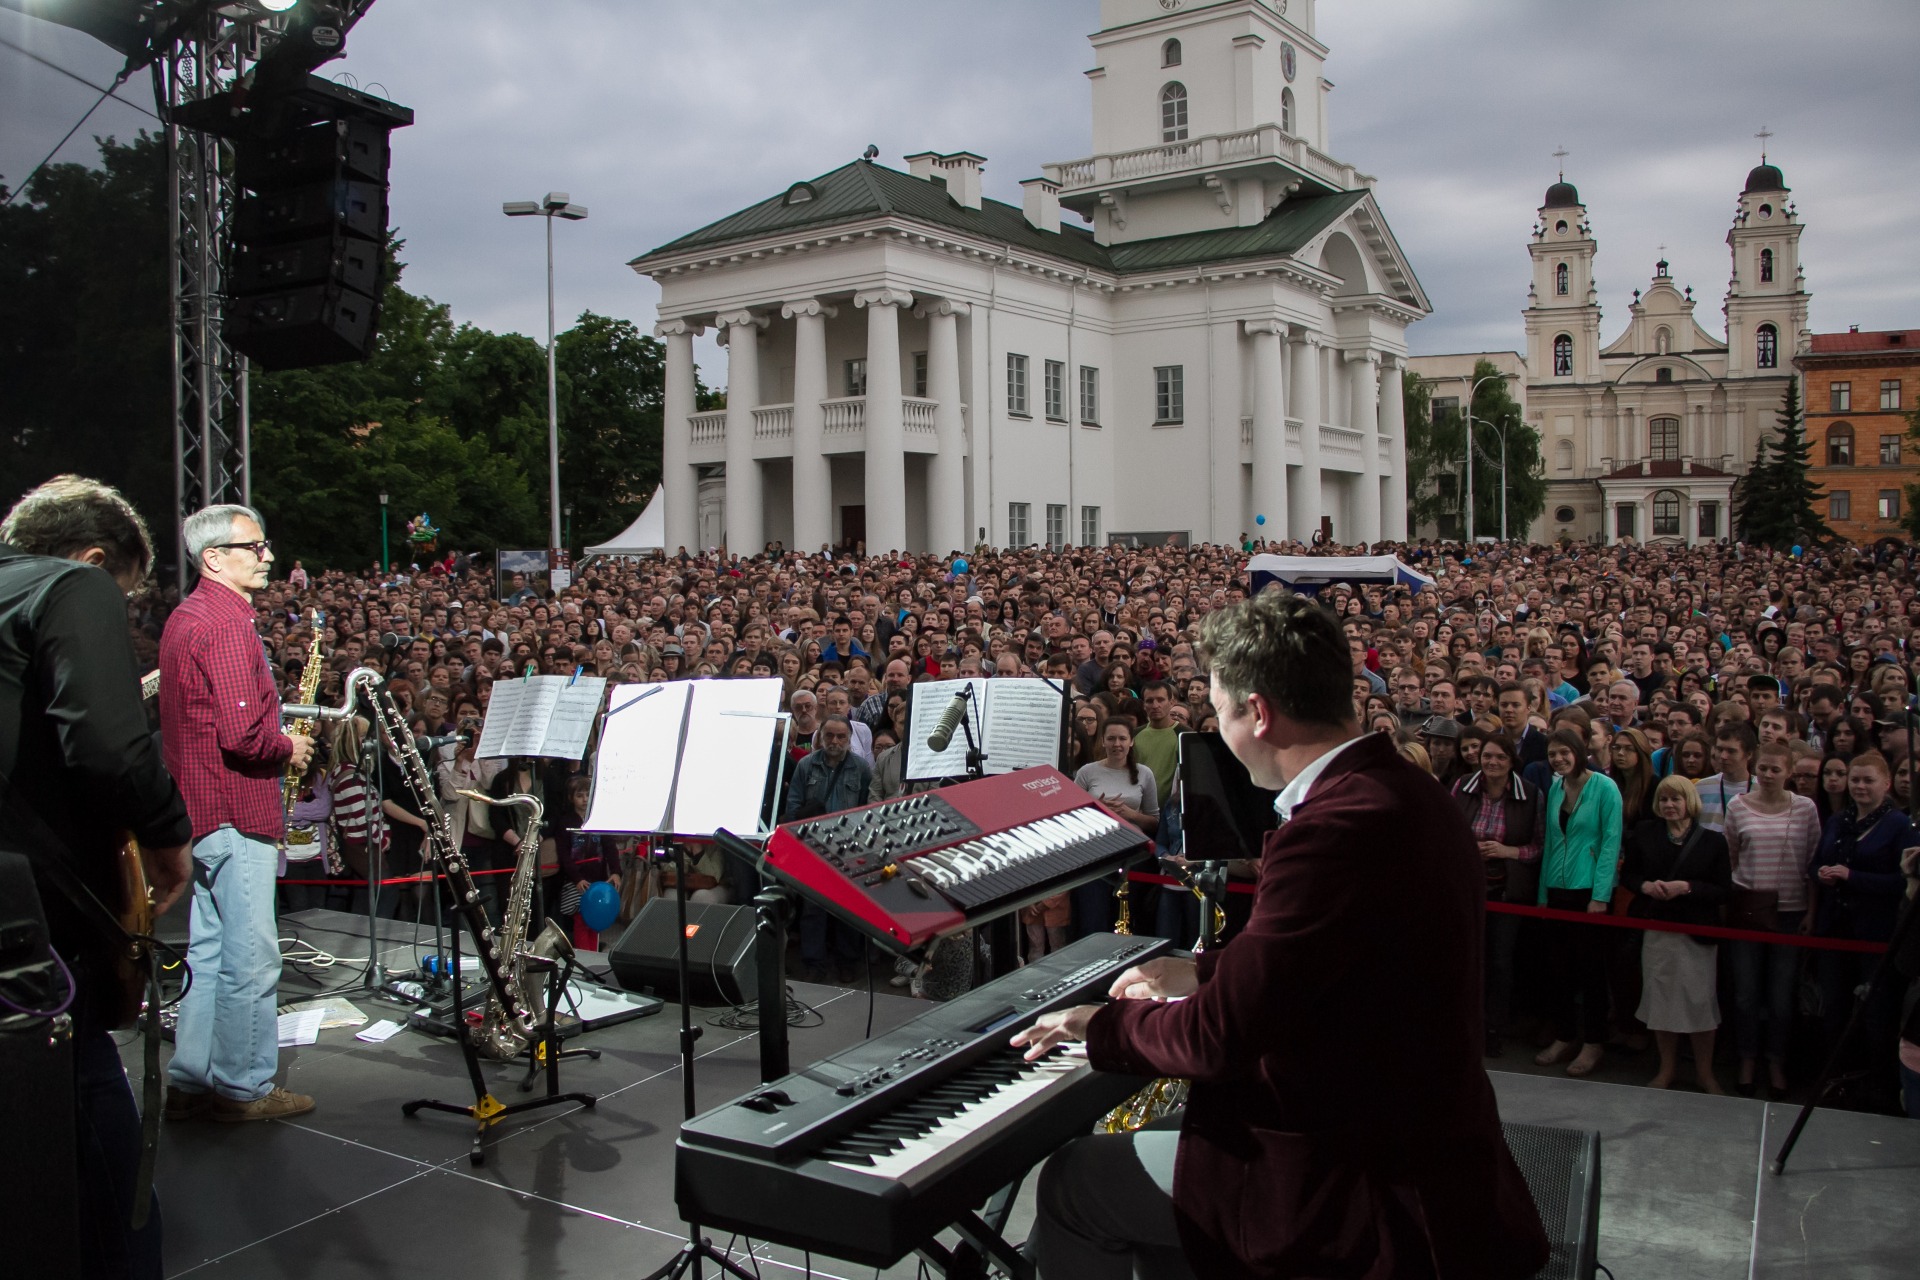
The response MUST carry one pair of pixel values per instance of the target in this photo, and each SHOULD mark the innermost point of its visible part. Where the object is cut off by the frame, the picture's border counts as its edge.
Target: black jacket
(1701, 860)
(75, 749)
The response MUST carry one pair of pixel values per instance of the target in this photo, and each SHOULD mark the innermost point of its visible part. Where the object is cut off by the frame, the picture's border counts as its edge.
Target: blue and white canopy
(1308, 575)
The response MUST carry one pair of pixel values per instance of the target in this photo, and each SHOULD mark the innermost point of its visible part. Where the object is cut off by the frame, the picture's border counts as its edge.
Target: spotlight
(275, 6)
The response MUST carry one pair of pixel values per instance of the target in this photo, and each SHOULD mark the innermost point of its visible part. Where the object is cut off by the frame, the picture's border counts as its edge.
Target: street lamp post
(383, 533)
(555, 205)
(569, 510)
(1471, 393)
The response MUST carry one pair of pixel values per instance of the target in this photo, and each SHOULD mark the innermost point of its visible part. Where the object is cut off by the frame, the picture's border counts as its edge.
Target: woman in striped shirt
(1771, 834)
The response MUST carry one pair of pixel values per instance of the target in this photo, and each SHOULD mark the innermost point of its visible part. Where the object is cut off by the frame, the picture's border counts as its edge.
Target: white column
(1269, 429)
(1691, 514)
(1393, 425)
(946, 471)
(1363, 388)
(812, 473)
(886, 427)
(1306, 407)
(679, 498)
(746, 526)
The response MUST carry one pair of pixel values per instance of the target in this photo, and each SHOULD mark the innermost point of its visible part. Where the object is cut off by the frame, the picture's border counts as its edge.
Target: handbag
(1757, 909)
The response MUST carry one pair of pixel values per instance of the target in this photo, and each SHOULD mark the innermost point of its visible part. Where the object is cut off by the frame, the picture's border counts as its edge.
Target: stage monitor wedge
(720, 955)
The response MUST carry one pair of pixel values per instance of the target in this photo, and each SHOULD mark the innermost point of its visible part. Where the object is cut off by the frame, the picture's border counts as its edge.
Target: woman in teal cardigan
(1578, 863)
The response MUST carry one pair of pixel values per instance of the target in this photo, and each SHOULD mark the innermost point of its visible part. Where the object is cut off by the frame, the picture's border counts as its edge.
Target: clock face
(1287, 66)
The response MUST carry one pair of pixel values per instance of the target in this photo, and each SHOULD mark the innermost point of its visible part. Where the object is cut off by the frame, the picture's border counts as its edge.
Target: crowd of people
(1706, 735)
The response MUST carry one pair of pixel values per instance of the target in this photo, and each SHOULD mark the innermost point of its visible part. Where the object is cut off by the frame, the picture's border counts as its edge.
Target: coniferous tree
(1777, 503)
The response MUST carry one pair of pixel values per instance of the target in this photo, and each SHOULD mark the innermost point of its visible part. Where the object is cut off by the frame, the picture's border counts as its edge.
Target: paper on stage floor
(730, 730)
(300, 1028)
(1015, 721)
(541, 716)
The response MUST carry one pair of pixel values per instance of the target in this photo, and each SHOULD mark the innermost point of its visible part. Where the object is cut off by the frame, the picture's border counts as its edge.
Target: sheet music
(723, 768)
(541, 716)
(633, 772)
(1023, 725)
(929, 700)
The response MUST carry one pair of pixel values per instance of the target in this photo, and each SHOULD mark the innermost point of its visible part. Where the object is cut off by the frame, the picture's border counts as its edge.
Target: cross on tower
(1560, 153)
(1763, 135)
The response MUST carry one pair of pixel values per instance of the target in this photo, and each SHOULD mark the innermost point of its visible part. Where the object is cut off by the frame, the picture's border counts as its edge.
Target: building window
(1563, 456)
(1623, 520)
(1089, 395)
(1019, 516)
(1089, 526)
(1170, 54)
(1056, 526)
(920, 374)
(1663, 374)
(1889, 504)
(1839, 505)
(1173, 113)
(1444, 407)
(1666, 514)
(1663, 439)
(1056, 392)
(1016, 385)
(1767, 347)
(1840, 445)
(856, 377)
(1286, 111)
(1766, 266)
(1169, 393)
(1563, 515)
(1709, 526)
(1560, 279)
(1840, 397)
(1889, 450)
(1563, 356)
(1889, 393)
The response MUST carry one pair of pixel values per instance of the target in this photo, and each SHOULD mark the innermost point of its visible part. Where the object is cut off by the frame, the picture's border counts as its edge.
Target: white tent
(1308, 574)
(646, 535)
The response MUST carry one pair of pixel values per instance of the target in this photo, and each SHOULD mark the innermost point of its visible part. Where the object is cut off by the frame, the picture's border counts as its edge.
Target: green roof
(861, 190)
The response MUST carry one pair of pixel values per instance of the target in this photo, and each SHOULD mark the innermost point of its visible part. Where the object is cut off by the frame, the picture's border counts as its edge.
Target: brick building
(1859, 389)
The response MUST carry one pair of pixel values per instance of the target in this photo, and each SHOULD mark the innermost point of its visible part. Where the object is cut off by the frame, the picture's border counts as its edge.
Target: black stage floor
(355, 1189)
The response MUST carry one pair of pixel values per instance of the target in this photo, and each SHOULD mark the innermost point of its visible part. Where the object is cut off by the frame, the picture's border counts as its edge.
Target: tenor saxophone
(309, 689)
(497, 1035)
(1169, 1093)
(502, 965)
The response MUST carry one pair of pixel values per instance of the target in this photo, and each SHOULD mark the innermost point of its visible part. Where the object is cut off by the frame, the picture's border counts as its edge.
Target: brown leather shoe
(182, 1105)
(277, 1105)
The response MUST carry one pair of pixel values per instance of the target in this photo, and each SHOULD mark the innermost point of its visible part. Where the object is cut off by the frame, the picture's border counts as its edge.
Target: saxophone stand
(485, 1109)
(547, 1049)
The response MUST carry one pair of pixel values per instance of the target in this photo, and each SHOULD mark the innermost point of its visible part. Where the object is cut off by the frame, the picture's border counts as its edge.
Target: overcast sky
(662, 117)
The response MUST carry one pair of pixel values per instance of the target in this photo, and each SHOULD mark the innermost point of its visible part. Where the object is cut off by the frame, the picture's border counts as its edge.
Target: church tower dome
(1564, 195)
(1765, 177)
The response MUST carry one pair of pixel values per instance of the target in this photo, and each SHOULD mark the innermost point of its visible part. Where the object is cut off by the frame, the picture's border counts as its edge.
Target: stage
(356, 1189)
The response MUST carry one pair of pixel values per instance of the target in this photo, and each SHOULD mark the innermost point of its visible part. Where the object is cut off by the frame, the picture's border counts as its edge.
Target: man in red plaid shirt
(220, 728)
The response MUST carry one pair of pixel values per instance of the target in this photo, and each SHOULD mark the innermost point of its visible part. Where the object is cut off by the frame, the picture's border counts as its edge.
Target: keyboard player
(1340, 1121)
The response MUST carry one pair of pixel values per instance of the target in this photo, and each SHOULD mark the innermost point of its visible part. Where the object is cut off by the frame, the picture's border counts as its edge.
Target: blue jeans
(1765, 982)
(227, 1041)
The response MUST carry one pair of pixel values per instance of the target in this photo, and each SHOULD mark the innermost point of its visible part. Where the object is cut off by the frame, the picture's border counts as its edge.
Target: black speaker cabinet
(39, 1181)
(1562, 1169)
(720, 960)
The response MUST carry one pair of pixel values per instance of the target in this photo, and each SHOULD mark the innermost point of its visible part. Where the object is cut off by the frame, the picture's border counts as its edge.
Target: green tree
(1436, 456)
(612, 395)
(85, 351)
(1912, 520)
(1775, 503)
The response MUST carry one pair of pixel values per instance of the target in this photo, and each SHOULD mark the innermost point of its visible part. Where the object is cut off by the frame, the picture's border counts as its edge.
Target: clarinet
(444, 848)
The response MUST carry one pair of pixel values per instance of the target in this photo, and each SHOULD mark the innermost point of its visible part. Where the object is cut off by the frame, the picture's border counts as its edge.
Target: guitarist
(78, 772)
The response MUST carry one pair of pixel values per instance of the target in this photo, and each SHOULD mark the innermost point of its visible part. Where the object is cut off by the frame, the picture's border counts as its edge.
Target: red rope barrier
(1617, 922)
(418, 877)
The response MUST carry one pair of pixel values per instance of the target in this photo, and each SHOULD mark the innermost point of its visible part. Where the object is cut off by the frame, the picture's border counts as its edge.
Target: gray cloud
(663, 117)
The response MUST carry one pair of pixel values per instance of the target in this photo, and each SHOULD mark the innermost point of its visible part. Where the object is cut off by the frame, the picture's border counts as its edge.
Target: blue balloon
(1796, 548)
(959, 565)
(599, 906)
(1259, 519)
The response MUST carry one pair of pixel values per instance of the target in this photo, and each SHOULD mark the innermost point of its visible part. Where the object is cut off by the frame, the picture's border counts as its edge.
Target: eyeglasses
(259, 549)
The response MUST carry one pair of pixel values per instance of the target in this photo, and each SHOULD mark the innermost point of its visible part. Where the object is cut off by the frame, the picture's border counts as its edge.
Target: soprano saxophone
(443, 847)
(497, 1036)
(309, 689)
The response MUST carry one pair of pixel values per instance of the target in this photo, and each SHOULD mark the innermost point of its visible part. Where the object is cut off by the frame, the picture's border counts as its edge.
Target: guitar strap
(38, 844)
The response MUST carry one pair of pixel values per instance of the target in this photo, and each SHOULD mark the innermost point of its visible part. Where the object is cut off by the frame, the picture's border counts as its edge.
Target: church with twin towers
(913, 366)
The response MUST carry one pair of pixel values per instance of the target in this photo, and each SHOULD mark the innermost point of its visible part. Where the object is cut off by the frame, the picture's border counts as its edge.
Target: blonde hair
(1675, 785)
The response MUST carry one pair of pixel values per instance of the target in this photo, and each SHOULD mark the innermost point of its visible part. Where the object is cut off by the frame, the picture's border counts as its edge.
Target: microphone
(949, 721)
(308, 711)
(426, 746)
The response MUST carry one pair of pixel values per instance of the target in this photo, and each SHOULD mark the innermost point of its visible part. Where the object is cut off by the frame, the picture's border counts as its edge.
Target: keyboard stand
(982, 1238)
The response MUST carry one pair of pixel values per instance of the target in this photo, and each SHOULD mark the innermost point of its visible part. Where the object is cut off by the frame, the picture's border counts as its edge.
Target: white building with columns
(917, 367)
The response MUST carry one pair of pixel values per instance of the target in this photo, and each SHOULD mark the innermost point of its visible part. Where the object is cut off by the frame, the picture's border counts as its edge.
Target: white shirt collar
(1296, 790)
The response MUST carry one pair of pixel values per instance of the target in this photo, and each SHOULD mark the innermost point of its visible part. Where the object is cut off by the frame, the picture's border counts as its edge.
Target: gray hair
(211, 526)
(68, 515)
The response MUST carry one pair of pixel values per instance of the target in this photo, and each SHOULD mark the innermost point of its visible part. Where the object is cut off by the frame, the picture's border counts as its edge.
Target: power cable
(77, 78)
(66, 138)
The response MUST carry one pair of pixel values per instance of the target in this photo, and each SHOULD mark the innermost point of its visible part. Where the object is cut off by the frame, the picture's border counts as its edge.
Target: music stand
(676, 822)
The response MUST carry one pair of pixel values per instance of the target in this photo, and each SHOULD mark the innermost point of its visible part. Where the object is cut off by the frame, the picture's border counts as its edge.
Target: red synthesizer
(909, 870)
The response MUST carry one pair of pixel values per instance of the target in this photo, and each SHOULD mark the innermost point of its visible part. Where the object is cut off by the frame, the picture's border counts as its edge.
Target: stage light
(276, 6)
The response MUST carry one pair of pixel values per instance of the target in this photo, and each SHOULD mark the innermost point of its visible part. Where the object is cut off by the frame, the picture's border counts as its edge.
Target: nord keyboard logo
(1042, 786)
